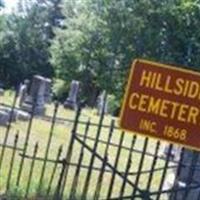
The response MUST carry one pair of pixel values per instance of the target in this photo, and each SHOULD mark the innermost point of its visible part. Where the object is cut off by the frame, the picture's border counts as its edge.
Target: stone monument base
(39, 110)
(17, 114)
(70, 104)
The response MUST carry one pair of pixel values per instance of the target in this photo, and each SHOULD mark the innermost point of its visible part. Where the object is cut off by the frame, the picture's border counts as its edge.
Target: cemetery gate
(88, 157)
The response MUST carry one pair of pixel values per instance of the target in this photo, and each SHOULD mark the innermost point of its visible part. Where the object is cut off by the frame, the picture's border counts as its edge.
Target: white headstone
(102, 104)
(23, 92)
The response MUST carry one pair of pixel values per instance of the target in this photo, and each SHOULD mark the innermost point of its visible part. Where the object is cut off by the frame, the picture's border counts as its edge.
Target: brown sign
(163, 102)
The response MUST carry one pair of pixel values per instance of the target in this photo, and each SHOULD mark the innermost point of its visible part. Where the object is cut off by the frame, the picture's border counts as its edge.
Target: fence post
(12, 162)
(92, 159)
(153, 166)
(116, 162)
(54, 170)
(140, 165)
(166, 165)
(105, 159)
(48, 146)
(78, 168)
(179, 167)
(128, 166)
(21, 165)
(8, 129)
(31, 170)
(65, 168)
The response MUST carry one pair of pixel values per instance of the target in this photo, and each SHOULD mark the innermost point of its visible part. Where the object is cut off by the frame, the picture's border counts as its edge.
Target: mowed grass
(61, 135)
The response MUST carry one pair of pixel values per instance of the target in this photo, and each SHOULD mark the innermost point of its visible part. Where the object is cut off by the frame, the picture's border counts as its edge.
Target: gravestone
(4, 117)
(16, 114)
(101, 105)
(23, 92)
(48, 91)
(71, 101)
(36, 96)
(9, 111)
(22, 115)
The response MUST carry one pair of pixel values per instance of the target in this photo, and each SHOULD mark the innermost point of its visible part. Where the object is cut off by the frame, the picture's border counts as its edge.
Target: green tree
(101, 38)
(27, 36)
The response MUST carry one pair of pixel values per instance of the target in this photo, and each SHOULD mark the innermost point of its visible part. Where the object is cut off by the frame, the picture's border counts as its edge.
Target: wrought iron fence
(92, 160)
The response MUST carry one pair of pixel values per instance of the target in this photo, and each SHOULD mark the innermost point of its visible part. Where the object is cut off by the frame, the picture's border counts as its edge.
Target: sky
(9, 4)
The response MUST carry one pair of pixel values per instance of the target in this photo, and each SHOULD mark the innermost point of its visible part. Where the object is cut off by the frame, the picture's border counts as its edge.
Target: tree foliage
(101, 38)
(26, 38)
(95, 41)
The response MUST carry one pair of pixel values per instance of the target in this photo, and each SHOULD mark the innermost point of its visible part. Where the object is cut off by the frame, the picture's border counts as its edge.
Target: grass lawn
(61, 136)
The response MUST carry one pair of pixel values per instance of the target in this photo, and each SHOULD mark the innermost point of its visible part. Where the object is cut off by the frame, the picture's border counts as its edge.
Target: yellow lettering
(158, 83)
(153, 80)
(186, 86)
(148, 125)
(193, 114)
(142, 103)
(193, 90)
(179, 84)
(182, 111)
(175, 105)
(132, 103)
(146, 78)
(154, 105)
(153, 127)
(167, 84)
(163, 108)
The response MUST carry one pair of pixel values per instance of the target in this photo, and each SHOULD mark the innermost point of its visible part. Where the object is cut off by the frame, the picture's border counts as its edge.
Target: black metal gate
(97, 161)
(148, 164)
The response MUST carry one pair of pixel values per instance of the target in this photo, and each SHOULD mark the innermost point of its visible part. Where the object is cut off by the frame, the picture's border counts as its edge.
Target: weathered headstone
(102, 104)
(23, 92)
(48, 91)
(71, 101)
(23, 116)
(36, 96)
(4, 117)
(17, 114)
(9, 111)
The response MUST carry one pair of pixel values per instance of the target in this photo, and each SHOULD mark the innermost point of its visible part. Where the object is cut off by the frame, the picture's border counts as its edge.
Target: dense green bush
(60, 89)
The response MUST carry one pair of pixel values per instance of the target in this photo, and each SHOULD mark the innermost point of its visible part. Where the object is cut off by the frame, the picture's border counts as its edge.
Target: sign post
(163, 102)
